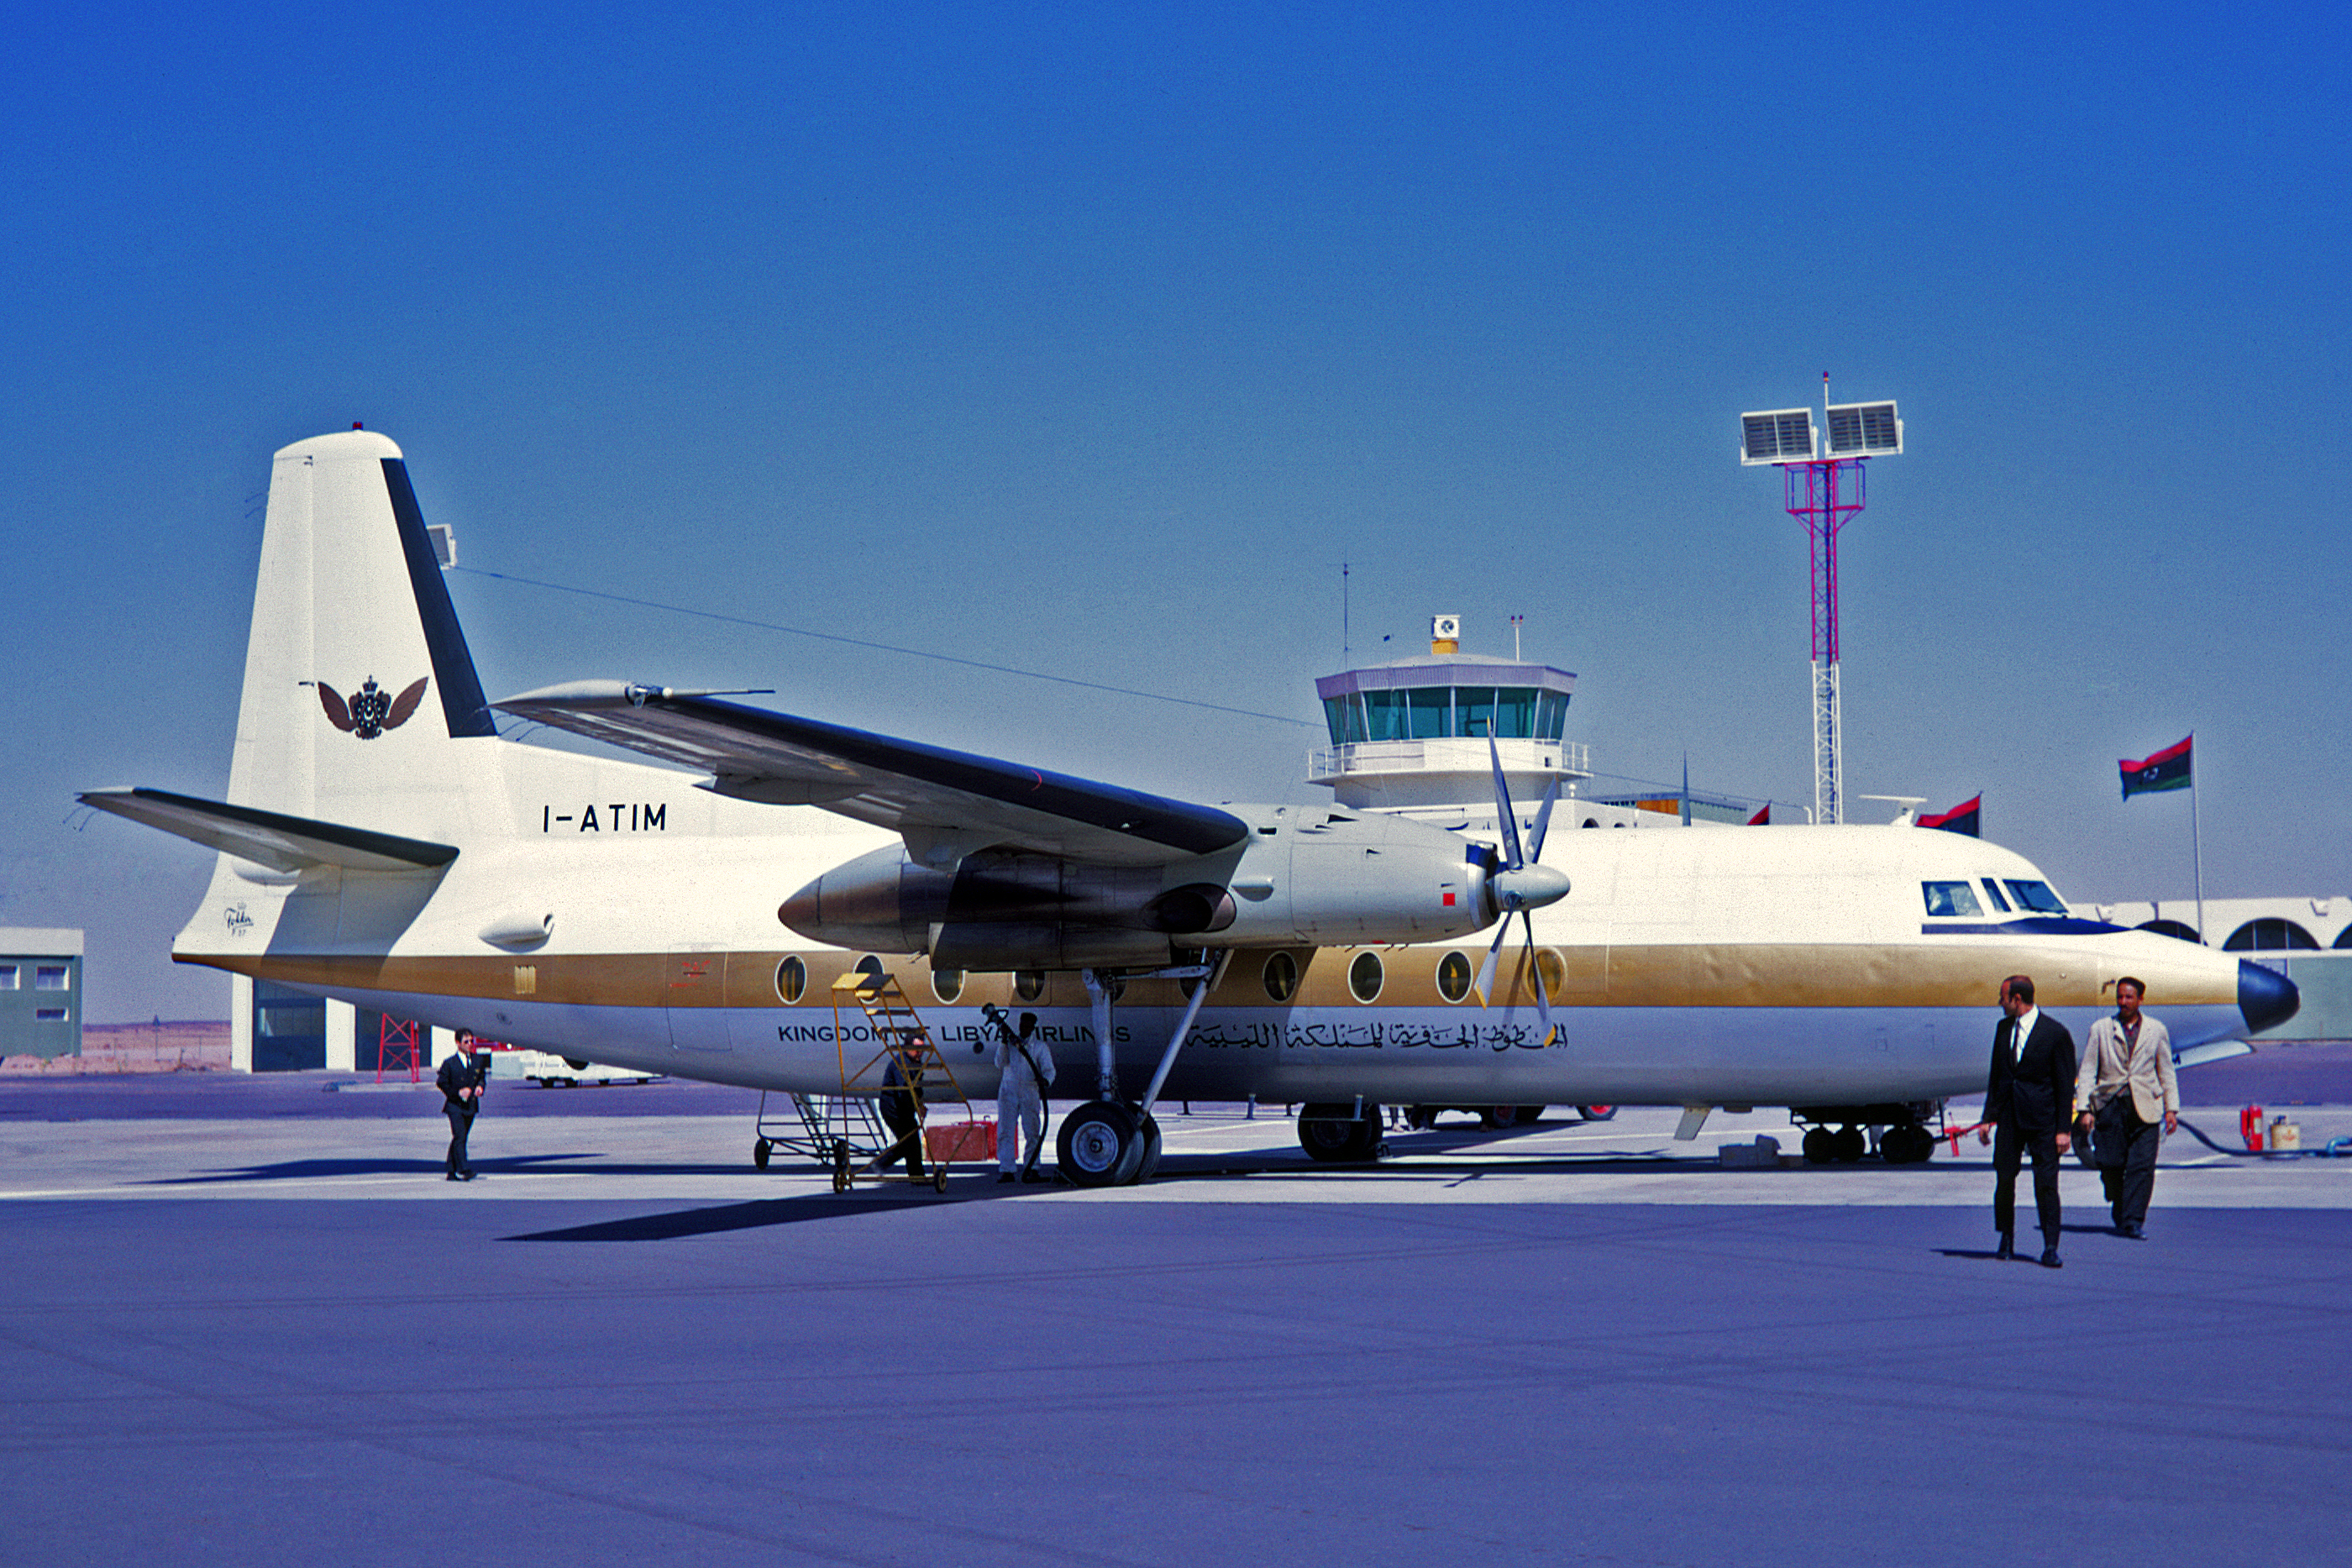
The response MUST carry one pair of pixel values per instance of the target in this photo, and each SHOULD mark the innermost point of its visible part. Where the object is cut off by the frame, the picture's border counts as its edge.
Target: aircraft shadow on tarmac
(537, 1165)
(729, 1216)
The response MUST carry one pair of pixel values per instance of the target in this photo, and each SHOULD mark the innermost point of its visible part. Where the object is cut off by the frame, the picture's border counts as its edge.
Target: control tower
(1409, 737)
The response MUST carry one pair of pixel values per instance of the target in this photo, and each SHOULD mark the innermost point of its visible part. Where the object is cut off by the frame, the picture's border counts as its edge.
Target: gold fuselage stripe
(1955, 973)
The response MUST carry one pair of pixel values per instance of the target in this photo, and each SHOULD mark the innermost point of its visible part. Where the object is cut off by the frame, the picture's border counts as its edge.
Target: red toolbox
(961, 1141)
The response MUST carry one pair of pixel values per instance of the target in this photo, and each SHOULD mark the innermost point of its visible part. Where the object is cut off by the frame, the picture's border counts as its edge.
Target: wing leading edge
(944, 804)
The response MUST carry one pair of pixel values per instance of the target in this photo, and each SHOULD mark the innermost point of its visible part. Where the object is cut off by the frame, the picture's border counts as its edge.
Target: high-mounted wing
(269, 838)
(944, 804)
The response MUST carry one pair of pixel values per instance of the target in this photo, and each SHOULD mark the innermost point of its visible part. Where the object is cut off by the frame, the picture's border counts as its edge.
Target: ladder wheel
(760, 1153)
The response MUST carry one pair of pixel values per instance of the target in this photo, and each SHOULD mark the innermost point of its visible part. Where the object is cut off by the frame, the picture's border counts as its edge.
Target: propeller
(1519, 885)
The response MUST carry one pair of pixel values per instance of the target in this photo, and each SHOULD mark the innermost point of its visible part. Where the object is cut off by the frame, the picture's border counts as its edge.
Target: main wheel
(1908, 1144)
(1821, 1145)
(1150, 1165)
(1099, 1144)
(760, 1153)
(1333, 1135)
(1848, 1145)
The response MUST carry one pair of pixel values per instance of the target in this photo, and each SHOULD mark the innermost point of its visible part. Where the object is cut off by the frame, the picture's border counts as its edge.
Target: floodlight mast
(1825, 493)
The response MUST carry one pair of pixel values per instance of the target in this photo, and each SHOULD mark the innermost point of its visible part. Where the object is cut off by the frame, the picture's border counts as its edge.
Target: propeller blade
(1543, 998)
(1486, 970)
(1506, 821)
(1543, 822)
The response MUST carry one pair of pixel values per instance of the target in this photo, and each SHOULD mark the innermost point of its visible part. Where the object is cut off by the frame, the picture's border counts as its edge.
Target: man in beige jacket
(2128, 1062)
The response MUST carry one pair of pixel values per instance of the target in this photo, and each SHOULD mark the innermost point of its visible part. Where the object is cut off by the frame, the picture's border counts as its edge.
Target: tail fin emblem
(371, 710)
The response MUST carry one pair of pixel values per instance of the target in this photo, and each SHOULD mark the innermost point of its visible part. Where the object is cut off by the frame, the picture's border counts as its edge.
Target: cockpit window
(1992, 891)
(1951, 898)
(2035, 896)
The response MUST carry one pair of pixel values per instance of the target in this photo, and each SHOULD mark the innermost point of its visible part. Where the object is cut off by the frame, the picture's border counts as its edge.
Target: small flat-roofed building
(40, 991)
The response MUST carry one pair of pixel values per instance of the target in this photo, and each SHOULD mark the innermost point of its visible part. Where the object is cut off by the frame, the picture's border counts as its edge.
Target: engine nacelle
(1303, 877)
(1008, 909)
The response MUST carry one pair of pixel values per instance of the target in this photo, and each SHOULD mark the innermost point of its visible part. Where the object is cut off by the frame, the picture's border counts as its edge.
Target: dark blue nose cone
(2265, 996)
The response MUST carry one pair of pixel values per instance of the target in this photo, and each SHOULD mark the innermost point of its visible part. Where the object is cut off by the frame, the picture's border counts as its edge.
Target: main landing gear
(1106, 1144)
(1112, 1142)
(1837, 1134)
(1340, 1135)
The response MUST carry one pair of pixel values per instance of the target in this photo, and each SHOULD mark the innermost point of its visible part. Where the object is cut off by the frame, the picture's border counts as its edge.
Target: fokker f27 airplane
(384, 844)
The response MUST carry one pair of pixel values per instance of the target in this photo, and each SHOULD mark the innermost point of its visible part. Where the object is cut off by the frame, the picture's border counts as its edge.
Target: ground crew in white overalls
(1026, 1067)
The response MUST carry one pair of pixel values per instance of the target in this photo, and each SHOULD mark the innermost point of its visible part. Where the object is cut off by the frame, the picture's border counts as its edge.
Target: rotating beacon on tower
(1825, 491)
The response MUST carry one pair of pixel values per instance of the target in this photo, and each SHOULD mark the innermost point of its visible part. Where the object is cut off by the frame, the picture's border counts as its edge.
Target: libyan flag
(2168, 770)
(1968, 817)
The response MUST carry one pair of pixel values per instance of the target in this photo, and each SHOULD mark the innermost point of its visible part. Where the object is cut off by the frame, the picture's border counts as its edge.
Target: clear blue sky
(1092, 340)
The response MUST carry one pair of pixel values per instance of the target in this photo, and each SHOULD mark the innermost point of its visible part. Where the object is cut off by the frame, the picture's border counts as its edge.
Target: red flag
(1965, 818)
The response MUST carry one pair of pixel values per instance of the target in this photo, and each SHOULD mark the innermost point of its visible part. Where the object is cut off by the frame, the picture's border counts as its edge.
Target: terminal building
(40, 992)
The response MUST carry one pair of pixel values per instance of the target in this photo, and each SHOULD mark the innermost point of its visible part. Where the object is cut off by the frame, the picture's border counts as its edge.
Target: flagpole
(2196, 849)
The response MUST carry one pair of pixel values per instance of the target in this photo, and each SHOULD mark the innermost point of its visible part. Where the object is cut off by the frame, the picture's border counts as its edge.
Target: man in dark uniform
(2029, 1101)
(902, 1105)
(460, 1082)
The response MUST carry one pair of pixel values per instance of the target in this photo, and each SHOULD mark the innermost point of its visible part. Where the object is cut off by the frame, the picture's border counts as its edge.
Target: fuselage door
(697, 992)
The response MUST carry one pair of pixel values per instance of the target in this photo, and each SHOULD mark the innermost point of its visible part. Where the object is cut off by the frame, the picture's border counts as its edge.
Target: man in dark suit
(460, 1082)
(2029, 1101)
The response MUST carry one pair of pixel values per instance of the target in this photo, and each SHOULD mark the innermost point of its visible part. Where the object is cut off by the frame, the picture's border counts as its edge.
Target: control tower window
(1385, 716)
(1432, 712)
(1515, 713)
(1346, 717)
(1551, 716)
(1474, 707)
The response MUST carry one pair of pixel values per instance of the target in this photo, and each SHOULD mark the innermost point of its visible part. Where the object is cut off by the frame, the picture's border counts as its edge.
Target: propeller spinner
(1520, 885)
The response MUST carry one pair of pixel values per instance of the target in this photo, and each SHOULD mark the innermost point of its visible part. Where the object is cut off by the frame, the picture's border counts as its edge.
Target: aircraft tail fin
(357, 677)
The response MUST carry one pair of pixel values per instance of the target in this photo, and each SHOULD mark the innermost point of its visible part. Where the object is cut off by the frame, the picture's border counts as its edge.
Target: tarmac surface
(244, 1320)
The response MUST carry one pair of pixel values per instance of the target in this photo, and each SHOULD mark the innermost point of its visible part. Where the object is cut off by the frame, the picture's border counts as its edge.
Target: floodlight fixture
(1864, 430)
(1825, 489)
(1777, 435)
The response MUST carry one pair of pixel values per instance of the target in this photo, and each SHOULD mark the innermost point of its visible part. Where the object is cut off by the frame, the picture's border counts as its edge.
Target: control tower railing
(1566, 759)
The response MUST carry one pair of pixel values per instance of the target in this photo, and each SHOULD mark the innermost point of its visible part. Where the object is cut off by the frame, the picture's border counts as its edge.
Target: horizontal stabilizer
(267, 838)
(924, 792)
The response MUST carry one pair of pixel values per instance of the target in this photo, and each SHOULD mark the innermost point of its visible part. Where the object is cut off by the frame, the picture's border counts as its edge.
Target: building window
(49, 977)
(7, 977)
(48, 1015)
(2269, 935)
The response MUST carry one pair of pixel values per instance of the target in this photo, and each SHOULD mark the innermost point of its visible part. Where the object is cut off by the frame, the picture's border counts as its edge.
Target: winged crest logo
(371, 710)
